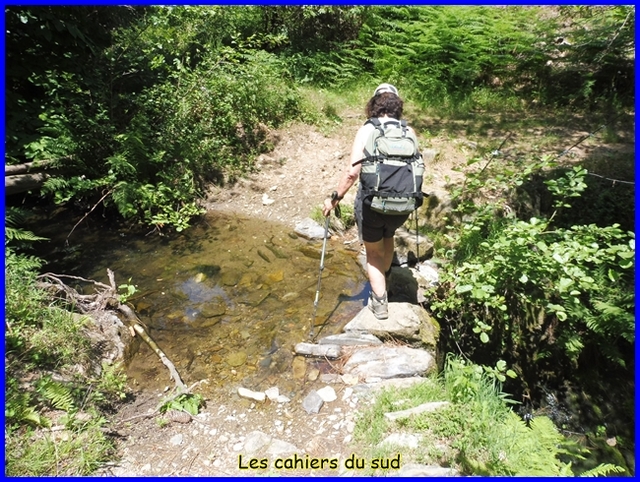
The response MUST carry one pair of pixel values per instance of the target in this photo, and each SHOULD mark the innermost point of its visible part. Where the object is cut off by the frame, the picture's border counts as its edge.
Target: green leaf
(484, 338)
(463, 288)
(564, 284)
(524, 278)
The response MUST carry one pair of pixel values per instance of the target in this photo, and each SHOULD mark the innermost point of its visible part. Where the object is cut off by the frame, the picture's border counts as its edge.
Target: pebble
(272, 393)
(176, 439)
(328, 394)
(246, 393)
(313, 402)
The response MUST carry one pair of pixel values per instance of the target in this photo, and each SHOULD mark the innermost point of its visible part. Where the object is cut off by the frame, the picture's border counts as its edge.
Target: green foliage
(13, 234)
(187, 402)
(543, 297)
(166, 100)
(55, 394)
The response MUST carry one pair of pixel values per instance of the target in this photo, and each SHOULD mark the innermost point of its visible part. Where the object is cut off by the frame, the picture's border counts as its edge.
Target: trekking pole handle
(334, 196)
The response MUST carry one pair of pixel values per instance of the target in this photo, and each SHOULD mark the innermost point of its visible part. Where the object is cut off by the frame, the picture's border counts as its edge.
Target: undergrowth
(475, 433)
(53, 411)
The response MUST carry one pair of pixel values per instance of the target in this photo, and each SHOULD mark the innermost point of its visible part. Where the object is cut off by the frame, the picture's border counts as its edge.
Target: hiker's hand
(328, 205)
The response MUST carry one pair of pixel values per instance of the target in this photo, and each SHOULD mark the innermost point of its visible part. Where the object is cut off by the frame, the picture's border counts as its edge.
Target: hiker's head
(385, 100)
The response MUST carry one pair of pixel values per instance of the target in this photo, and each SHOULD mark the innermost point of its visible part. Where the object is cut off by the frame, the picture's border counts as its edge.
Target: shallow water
(226, 301)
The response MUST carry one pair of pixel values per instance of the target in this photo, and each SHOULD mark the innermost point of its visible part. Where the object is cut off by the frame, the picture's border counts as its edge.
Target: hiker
(376, 229)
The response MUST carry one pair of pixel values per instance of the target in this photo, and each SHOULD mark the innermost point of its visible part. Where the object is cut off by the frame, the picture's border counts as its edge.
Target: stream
(226, 300)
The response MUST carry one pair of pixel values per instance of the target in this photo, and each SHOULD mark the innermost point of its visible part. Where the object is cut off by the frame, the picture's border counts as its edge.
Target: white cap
(382, 88)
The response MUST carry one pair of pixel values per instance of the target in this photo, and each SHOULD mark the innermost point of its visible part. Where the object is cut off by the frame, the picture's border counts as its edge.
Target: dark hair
(386, 103)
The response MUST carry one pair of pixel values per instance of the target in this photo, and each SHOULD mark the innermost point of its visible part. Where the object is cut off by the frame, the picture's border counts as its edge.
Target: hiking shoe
(379, 307)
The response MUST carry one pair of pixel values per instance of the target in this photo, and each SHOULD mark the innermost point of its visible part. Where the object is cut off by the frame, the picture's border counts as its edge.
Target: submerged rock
(299, 368)
(236, 359)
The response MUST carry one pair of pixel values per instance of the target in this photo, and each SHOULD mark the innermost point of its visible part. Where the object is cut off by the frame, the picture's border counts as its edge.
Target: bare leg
(376, 266)
(389, 248)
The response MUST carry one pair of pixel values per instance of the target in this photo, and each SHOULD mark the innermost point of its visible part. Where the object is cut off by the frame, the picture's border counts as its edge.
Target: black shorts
(374, 226)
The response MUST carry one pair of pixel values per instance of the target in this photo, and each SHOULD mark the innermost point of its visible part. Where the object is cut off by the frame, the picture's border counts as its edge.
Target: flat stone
(280, 448)
(328, 394)
(406, 320)
(421, 470)
(389, 362)
(250, 394)
(283, 399)
(350, 339)
(313, 402)
(323, 351)
(272, 393)
(425, 407)
(255, 442)
(407, 440)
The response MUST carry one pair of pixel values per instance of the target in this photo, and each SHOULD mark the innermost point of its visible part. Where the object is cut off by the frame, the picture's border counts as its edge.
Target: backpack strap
(375, 122)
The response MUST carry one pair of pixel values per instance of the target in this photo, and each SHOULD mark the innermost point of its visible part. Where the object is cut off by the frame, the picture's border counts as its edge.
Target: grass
(477, 433)
(68, 453)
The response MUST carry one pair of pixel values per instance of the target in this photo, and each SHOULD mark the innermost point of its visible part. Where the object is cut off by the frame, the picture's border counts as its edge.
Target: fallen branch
(107, 296)
(139, 329)
(85, 216)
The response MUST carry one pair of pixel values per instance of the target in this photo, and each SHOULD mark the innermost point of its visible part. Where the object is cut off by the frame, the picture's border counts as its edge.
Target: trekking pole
(334, 195)
(415, 213)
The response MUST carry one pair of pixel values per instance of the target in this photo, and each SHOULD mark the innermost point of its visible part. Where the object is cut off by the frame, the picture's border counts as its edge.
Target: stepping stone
(311, 349)
(425, 407)
(350, 339)
(389, 362)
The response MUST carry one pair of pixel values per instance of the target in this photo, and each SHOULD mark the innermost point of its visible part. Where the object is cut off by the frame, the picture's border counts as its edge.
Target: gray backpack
(392, 169)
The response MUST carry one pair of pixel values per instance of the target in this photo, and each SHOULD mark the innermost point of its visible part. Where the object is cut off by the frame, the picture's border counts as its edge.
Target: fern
(534, 449)
(603, 470)
(14, 217)
(56, 395)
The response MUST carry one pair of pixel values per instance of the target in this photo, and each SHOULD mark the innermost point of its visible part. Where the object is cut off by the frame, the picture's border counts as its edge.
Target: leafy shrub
(539, 294)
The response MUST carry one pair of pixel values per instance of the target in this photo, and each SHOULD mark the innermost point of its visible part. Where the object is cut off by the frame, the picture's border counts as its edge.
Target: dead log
(27, 167)
(24, 182)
